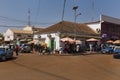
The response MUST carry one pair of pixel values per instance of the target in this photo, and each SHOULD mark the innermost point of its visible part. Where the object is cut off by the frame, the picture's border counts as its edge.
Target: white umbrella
(78, 42)
(116, 42)
(67, 39)
(92, 40)
(109, 41)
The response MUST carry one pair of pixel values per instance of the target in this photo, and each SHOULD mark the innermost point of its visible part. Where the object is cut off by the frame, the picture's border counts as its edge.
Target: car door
(9, 53)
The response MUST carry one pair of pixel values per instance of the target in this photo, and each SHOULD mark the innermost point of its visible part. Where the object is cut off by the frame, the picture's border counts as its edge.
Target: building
(95, 25)
(52, 35)
(110, 27)
(107, 26)
(32, 28)
(22, 35)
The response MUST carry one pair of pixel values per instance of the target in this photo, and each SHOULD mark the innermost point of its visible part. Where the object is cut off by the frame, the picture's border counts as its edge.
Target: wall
(95, 26)
(48, 38)
(8, 35)
(111, 30)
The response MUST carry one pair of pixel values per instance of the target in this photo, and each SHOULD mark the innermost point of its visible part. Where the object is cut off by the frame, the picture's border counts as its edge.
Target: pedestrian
(16, 50)
(77, 48)
(91, 47)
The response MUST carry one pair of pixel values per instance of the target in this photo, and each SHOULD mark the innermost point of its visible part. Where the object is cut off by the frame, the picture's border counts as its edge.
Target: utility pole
(29, 15)
(75, 16)
(63, 9)
(92, 13)
(75, 8)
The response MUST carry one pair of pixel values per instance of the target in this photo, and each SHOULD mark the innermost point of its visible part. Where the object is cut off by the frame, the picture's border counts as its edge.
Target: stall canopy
(92, 40)
(109, 41)
(67, 39)
(70, 40)
(116, 42)
(78, 42)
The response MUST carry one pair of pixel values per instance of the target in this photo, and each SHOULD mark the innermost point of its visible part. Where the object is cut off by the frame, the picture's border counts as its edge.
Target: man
(16, 50)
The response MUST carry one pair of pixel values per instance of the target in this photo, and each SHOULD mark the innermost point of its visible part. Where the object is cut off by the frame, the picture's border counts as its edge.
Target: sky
(43, 13)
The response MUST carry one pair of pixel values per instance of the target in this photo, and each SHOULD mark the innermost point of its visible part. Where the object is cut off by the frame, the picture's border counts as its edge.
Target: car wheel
(3, 58)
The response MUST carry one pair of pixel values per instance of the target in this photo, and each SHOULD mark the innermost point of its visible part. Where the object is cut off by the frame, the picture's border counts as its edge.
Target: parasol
(67, 39)
(116, 42)
(92, 40)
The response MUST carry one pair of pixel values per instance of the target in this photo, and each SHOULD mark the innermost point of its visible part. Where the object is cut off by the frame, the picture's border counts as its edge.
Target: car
(108, 50)
(116, 52)
(5, 53)
(25, 48)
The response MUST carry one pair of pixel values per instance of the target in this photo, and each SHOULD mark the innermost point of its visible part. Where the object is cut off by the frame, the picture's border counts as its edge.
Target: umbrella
(67, 39)
(92, 40)
(23, 40)
(43, 44)
(116, 42)
(78, 42)
(109, 41)
(32, 42)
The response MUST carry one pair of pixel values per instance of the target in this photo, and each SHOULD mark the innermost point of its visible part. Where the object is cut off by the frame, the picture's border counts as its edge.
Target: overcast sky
(47, 12)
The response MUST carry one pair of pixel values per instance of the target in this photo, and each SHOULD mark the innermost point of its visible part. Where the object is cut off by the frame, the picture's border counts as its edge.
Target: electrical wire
(11, 19)
(11, 26)
(21, 21)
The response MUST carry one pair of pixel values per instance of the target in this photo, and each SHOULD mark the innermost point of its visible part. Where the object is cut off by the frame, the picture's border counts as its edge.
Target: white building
(26, 33)
(52, 40)
(96, 26)
(12, 34)
(28, 28)
(52, 35)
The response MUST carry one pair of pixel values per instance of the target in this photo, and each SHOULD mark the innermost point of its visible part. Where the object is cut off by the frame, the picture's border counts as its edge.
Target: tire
(3, 58)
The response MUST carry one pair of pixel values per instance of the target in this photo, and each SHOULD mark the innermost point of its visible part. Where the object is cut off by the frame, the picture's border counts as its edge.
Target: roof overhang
(104, 18)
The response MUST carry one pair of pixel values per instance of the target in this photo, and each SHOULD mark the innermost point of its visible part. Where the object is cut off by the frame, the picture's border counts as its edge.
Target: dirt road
(64, 67)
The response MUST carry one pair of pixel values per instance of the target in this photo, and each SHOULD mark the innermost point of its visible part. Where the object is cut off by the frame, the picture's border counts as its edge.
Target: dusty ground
(61, 67)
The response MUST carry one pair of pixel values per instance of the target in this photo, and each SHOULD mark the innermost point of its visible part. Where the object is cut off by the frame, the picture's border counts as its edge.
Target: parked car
(25, 48)
(5, 53)
(116, 52)
(108, 50)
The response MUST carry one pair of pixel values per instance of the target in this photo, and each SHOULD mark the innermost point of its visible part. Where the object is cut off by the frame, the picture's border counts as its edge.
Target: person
(61, 50)
(77, 48)
(16, 50)
(91, 47)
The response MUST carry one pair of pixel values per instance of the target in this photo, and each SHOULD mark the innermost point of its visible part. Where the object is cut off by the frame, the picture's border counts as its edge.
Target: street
(61, 67)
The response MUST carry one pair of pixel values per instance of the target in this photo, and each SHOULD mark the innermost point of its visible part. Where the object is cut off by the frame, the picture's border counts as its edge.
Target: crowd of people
(66, 47)
(71, 48)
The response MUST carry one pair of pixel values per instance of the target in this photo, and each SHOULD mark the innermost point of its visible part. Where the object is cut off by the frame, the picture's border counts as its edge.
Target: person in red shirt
(16, 50)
